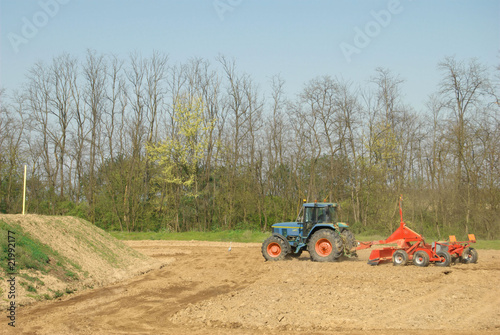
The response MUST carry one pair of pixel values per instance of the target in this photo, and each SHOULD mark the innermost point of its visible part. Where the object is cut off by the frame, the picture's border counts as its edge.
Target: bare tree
(94, 71)
(64, 71)
(463, 89)
(12, 130)
(39, 95)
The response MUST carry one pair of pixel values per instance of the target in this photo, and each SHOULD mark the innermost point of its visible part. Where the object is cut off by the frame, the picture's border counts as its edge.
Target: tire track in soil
(144, 303)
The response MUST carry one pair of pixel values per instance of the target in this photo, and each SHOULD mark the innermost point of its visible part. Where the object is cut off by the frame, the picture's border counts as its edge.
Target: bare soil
(206, 289)
(98, 258)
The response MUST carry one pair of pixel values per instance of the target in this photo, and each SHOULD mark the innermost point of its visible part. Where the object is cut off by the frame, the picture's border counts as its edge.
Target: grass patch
(30, 253)
(245, 236)
(28, 287)
(487, 244)
(71, 274)
(58, 294)
(31, 279)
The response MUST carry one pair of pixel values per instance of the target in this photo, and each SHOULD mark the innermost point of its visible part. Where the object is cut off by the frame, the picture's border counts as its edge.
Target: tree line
(143, 144)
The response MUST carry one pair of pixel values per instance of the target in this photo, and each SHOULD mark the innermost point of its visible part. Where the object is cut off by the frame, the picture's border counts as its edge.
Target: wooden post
(24, 191)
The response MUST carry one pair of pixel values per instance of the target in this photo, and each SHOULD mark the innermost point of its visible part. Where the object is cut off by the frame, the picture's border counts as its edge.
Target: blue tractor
(315, 231)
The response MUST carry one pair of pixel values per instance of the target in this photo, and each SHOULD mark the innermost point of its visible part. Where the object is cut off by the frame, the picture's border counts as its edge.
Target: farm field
(203, 288)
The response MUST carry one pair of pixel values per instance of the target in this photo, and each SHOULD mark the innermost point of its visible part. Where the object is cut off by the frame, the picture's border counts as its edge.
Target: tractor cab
(316, 213)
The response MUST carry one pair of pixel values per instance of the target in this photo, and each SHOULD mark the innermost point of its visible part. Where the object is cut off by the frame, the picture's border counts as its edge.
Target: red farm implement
(412, 247)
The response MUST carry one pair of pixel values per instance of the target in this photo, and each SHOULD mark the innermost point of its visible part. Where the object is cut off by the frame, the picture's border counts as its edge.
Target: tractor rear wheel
(399, 258)
(274, 249)
(350, 242)
(325, 246)
(445, 258)
(469, 256)
(421, 258)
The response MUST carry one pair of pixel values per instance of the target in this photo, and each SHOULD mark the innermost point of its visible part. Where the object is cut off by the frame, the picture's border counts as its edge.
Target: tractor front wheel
(325, 246)
(469, 256)
(399, 258)
(274, 249)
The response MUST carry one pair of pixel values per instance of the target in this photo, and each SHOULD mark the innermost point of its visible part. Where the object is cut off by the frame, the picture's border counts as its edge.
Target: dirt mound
(78, 255)
(207, 289)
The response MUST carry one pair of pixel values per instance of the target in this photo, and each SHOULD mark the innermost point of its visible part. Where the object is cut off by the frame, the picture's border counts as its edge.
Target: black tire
(421, 258)
(274, 249)
(399, 258)
(446, 258)
(325, 246)
(469, 256)
(350, 243)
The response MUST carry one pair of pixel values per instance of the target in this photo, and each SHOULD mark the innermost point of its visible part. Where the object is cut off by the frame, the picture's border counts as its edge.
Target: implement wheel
(445, 258)
(469, 256)
(274, 249)
(325, 246)
(421, 258)
(399, 258)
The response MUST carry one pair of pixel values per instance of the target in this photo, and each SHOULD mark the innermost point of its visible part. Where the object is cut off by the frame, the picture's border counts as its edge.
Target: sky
(299, 40)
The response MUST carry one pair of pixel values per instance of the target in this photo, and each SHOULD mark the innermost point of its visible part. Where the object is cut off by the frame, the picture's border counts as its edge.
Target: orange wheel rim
(323, 247)
(274, 249)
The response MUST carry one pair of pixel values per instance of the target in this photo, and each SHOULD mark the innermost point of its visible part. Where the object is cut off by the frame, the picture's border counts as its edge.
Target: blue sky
(297, 39)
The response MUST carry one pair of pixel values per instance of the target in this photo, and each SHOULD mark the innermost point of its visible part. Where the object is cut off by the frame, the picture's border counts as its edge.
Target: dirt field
(205, 289)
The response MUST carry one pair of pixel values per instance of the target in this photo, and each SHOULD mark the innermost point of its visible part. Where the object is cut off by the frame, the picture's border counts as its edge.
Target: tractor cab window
(309, 214)
(323, 215)
(316, 215)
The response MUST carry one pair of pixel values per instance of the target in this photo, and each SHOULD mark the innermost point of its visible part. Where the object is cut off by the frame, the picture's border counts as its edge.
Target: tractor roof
(320, 204)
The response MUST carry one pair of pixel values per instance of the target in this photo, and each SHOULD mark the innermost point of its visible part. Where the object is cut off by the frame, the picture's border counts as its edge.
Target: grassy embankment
(31, 254)
(248, 236)
(55, 255)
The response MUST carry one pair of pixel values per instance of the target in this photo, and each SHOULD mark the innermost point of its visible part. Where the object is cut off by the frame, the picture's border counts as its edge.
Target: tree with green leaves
(178, 158)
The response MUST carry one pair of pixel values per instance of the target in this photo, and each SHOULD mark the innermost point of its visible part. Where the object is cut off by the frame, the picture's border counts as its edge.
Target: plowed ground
(205, 289)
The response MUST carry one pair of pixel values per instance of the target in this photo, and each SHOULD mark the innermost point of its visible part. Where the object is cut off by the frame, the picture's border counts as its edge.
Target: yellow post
(24, 190)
